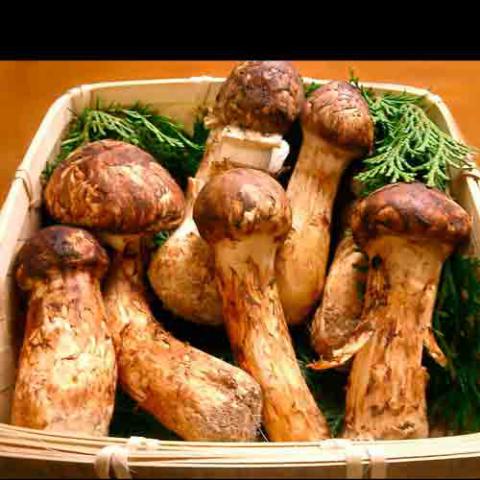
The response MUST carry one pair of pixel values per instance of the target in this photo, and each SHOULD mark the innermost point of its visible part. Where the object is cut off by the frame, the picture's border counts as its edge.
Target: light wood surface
(28, 88)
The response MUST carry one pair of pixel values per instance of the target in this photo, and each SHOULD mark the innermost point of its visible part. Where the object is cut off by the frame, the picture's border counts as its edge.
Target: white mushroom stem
(311, 192)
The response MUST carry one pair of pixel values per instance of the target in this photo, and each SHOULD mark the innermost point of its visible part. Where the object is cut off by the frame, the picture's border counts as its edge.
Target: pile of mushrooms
(244, 215)
(255, 106)
(246, 254)
(122, 194)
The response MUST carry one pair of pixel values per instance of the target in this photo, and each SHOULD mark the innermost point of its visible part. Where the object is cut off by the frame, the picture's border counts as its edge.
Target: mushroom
(255, 106)
(407, 230)
(121, 192)
(67, 370)
(337, 129)
(333, 330)
(244, 215)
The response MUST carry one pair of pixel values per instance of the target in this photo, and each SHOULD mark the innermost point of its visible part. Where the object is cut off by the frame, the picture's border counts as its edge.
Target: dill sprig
(409, 146)
(138, 124)
(454, 391)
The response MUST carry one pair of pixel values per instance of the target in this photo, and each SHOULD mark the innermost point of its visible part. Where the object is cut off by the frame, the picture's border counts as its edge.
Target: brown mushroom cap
(239, 203)
(338, 112)
(261, 96)
(114, 187)
(60, 248)
(410, 209)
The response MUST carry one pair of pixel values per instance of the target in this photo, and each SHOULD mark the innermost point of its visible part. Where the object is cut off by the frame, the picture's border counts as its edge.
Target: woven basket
(32, 453)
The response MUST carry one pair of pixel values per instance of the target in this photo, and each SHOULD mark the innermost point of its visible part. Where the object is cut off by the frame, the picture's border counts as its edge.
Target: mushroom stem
(386, 393)
(334, 326)
(260, 340)
(311, 192)
(67, 370)
(211, 163)
(194, 394)
(337, 129)
(244, 215)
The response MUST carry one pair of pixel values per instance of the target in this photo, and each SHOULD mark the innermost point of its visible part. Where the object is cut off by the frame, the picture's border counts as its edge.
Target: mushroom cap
(59, 248)
(115, 187)
(410, 209)
(239, 203)
(263, 96)
(338, 112)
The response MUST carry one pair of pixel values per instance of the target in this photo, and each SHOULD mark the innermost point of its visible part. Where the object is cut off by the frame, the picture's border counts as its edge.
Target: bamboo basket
(32, 453)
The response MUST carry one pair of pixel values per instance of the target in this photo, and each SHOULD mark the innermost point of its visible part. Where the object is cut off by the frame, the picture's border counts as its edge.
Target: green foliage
(409, 146)
(327, 387)
(454, 391)
(139, 125)
(160, 238)
(310, 88)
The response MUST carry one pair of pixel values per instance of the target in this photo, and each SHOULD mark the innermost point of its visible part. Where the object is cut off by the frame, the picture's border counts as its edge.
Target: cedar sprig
(138, 124)
(414, 149)
(454, 391)
(409, 146)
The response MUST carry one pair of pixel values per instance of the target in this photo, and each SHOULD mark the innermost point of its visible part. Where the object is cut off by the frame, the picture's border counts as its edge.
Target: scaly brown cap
(410, 209)
(338, 113)
(60, 248)
(114, 187)
(261, 96)
(239, 203)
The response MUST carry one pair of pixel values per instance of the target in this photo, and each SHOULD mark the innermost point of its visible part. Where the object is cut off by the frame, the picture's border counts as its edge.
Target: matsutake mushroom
(244, 215)
(120, 191)
(333, 332)
(67, 371)
(255, 106)
(407, 230)
(337, 129)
